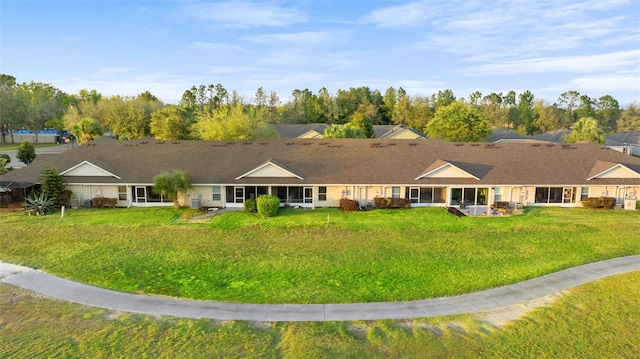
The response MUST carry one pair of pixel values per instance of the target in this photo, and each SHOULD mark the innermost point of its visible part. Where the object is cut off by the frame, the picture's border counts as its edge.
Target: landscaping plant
(268, 205)
(39, 204)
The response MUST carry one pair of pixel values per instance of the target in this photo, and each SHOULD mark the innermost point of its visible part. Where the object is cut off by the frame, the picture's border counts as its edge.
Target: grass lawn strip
(320, 256)
(596, 320)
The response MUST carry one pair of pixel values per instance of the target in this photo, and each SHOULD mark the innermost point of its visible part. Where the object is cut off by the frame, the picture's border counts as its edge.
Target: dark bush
(251, 205)
(349, 205)
(388, 202)
(103, 202)
(599, 202)
(268, 205)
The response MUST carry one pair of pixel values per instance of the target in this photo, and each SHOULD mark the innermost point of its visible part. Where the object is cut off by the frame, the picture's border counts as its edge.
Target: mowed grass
(313, 256)
(596, 320)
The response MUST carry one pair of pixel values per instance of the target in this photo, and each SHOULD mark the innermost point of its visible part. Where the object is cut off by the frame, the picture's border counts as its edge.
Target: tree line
(211, 112)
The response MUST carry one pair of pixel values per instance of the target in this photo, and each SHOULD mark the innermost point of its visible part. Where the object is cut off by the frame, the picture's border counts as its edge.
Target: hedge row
(388, 202)
(103, 202)
(599, 202)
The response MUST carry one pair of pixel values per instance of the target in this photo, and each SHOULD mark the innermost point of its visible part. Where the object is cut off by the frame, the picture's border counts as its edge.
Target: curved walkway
(486, 300)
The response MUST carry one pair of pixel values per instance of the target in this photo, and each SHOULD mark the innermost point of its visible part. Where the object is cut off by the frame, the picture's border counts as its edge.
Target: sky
(120, 47)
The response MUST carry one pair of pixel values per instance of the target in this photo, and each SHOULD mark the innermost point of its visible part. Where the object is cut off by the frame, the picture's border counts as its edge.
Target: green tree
(45, 102)
(53, 186)
(608, 110)
(421, 113)
(13, 107)
(170, 184)
(364, 117)
(458, 121)
(347, 130)
(569, 101)
(509, 103)
(526, 117)
(87, 130)
(233, 124)
(171, 123)
(389, 101)
(586, 107)
(586, 129)
(328, 109)
(442, 98)
(4, 161)
(491, 106)
(629, 118)
(474, 98)
(547, 118)
(402, 109)
(128, 117)
(26, 152)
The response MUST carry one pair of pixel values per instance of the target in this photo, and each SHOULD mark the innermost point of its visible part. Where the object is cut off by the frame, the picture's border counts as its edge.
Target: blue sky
(126, 47)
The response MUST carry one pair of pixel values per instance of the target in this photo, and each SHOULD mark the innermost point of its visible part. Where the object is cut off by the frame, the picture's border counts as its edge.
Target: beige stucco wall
(87, 192)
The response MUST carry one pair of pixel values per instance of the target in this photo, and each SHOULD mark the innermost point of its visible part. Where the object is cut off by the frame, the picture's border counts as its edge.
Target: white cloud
(245, 14)
(415, 13)
(307, 38)
(211, 46)
(566, 64)
(609, 82)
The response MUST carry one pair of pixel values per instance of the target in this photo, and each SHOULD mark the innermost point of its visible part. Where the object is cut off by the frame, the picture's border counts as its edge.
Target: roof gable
(86, 168)
(311, 134)
(445, 169)
(270, 169)
(604, 169)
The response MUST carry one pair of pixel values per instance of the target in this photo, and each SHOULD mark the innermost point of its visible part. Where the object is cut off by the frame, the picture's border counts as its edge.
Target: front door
(308, 195)
(141, 194)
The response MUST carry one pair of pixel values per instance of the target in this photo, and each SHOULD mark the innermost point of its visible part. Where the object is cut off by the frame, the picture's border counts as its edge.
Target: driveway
(39, 151)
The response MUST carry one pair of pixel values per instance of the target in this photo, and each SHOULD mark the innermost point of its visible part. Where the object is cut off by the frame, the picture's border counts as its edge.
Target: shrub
(39, 204)
(103, 202)
(388, 202)
(599, 202)
(251, 205)
(349, 205)
(268, 205)
(53, 186)
(26, 152)
(6, 157)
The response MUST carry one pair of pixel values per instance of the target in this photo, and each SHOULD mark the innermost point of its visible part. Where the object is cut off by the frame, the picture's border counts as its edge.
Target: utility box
(630, 204)
(87, 203)
(195, 203)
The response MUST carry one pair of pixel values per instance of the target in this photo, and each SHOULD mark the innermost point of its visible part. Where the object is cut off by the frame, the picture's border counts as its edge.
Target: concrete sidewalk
(63, 289)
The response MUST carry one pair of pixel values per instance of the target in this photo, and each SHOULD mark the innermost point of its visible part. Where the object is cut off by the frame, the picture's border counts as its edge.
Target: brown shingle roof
(337, 161)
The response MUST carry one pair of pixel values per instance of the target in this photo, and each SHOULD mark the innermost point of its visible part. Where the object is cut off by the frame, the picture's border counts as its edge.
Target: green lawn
(596, 320)
(313, 256)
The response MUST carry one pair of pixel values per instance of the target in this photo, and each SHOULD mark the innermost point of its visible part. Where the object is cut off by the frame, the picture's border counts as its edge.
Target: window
(216, 193)
(555, 194)
(322, 193)
(584, 193)
(122, 193)
(497, 194)
(470, 196)
(395, 192)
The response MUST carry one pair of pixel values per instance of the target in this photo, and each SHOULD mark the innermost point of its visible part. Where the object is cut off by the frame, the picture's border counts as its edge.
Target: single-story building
(319, 172)
(316, 130)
